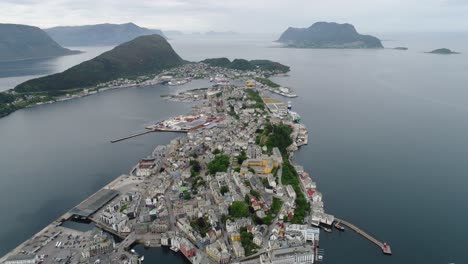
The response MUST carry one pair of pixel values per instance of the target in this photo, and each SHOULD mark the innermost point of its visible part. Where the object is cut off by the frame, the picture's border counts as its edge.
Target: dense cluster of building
(185, 196)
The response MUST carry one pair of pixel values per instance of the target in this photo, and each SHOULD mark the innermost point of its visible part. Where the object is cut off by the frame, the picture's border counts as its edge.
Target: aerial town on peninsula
(226, 191)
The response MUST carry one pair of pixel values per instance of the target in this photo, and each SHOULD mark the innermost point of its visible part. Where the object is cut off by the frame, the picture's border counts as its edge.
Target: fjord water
(13, 73)
(388, 144)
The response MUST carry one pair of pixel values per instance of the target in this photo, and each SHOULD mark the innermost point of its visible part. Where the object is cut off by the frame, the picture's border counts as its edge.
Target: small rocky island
(324, 35)
(443, 51)
(401, 48)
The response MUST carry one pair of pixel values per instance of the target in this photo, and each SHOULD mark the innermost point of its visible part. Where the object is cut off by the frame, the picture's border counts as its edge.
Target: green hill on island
(328, 35)
(443, 51)
(245, 65)
(19, 42)
(100, 34)
(143, 55)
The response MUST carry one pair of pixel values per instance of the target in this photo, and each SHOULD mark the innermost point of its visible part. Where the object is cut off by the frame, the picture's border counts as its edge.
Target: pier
(150, 131)
(131, 136)
(385, 248)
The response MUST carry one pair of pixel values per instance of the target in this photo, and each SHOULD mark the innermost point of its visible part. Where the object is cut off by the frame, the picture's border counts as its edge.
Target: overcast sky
(270, 16)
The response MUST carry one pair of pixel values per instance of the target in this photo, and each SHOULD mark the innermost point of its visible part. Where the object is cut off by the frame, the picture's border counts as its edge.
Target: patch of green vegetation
(239, 209)
(247, 242)
(265, 182)
(143, 55)
(201, 225)
(216, 151)
(267, 82)
(255, 96)
(242, 157)
(187, 195)
(290, 177)
(255, 193)
(245, 65)
(278, 135)
(198, 181)
(247, 183)
(224, 189)
(196, 168)
(274, 210)
(219, 164)
(270, 66)
(123, 207)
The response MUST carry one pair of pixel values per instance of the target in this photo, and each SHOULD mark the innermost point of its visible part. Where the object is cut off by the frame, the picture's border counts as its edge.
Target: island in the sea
(443, 51)
(328, 35)
(99, 34)
(21, 42)
(400, 48)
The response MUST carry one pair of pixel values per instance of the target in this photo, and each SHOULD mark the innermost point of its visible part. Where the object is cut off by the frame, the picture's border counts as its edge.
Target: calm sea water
(388, 144)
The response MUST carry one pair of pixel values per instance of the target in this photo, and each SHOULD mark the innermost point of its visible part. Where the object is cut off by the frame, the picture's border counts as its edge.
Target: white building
(308, 233)
(22, 259)
(299, 255)
(290, 191)
(239, 251)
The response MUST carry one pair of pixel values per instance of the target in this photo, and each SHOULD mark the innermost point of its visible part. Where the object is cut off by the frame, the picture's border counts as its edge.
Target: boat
(147, 243)
(326, 229)
(142, 258)
(175, 249)
(338, 226)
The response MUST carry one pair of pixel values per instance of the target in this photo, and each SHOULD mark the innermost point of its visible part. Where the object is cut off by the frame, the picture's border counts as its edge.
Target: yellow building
(264, 165)
(235, 236)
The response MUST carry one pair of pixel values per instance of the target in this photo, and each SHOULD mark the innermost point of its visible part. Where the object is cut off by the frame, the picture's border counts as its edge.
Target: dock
(384, 246)
(131, 136)
(150, 131)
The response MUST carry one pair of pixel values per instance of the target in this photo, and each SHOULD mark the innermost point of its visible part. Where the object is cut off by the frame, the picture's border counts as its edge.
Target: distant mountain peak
(19, 42)
(142, 55)
(328, 35)
(99, 34)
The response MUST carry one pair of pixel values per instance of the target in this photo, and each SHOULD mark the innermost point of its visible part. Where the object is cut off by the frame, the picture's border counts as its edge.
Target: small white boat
(175, 249)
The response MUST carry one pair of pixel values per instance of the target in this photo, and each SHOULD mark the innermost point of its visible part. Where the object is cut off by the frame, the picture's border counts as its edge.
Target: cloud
(242, 15)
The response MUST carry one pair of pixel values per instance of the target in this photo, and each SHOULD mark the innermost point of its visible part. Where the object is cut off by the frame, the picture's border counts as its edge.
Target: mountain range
(98, 35)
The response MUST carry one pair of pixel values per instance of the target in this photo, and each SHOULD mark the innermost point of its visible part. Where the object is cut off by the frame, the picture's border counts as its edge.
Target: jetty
(131, 136)
(384, 246)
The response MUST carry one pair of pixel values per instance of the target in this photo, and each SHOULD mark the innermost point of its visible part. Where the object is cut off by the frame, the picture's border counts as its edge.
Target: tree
(241, 157)
(216, 151)
(219, 164)
(239, 209)
(224, 189)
